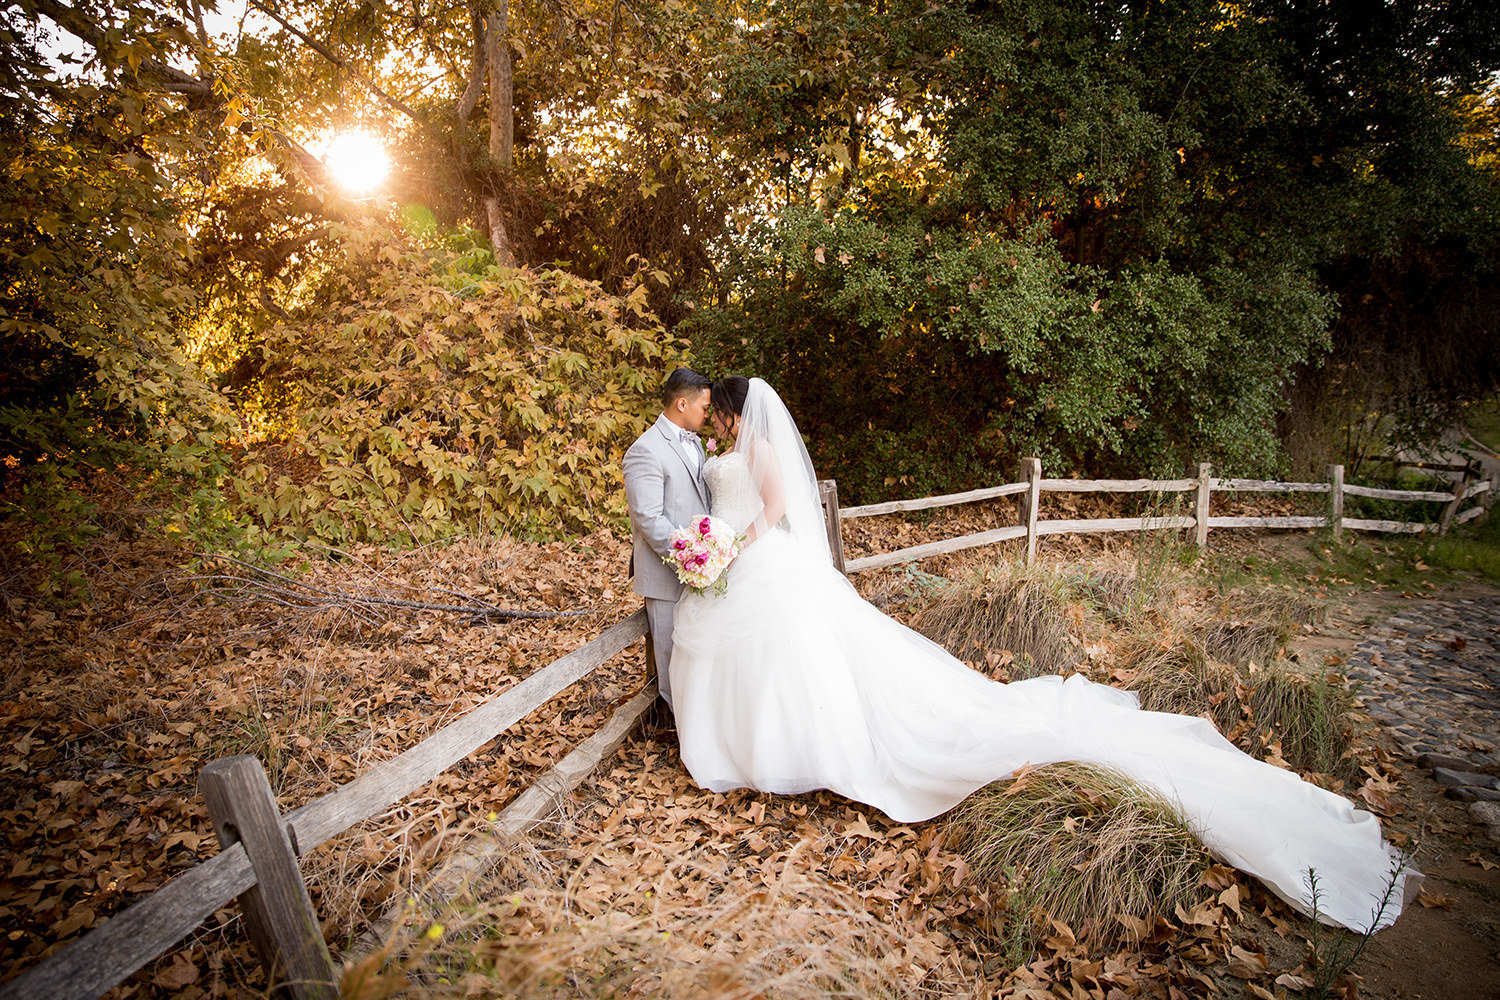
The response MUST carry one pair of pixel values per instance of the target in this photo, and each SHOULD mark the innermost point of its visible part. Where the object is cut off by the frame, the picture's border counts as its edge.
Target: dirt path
(1401, 648)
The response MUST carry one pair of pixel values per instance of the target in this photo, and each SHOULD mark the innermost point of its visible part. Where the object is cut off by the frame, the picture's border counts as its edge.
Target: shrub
(425, 392)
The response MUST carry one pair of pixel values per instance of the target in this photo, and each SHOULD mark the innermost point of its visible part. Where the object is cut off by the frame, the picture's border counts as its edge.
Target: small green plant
(1335, 950)
(1160, 550)
(255, 734)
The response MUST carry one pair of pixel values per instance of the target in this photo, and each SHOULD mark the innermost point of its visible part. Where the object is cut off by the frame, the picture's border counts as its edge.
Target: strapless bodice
(732, 494)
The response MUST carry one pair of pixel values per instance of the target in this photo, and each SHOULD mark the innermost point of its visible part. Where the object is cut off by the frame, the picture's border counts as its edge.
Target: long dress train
(791, 682)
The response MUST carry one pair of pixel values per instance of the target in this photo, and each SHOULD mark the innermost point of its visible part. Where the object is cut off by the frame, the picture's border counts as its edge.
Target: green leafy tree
(1103, 233)
(100, 390)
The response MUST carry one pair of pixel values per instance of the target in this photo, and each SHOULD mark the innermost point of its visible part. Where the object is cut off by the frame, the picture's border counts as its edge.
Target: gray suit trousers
(659, 617)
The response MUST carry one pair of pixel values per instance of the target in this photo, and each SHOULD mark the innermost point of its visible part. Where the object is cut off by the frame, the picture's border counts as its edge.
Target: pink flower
(700, 558)
(704, 526)
(712, 445)
(680, 544)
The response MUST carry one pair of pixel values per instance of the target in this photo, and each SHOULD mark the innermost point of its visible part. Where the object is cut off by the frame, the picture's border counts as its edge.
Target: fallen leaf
(177, 975)
(1218, 876)
(1247, 964)
(1435, 900)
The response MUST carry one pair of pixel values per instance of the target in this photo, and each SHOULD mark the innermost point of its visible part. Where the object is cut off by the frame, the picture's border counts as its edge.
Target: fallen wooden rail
(283, 926)
(1031, 485)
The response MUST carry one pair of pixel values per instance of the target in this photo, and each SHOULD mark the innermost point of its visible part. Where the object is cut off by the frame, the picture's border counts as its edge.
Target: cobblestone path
(1432, 675)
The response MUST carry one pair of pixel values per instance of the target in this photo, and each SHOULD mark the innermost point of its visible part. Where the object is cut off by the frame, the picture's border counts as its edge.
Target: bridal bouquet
(701, 552)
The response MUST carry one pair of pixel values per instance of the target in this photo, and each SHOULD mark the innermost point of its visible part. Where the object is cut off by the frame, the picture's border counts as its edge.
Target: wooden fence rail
(291, 944)
(1203, 486)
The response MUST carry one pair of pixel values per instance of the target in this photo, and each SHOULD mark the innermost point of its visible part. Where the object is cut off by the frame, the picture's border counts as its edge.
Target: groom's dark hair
(682, 382)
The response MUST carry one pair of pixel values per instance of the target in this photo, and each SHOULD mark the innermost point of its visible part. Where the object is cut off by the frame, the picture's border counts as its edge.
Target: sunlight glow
(357, 161)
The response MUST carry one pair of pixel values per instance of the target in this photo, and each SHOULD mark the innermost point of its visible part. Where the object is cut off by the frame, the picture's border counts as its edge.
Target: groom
(664, 488)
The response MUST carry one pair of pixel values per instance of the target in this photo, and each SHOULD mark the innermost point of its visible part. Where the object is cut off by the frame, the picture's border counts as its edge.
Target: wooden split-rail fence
(1031, 485)
(259, 846)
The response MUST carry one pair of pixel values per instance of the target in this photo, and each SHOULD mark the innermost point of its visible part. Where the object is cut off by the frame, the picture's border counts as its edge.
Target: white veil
(781, 469)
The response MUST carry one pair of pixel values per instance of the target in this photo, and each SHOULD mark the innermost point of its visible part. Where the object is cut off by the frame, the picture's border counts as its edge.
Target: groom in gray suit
(664, 488)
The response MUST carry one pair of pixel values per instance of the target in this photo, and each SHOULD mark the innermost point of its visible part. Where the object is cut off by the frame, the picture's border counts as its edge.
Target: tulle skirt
(790, 682)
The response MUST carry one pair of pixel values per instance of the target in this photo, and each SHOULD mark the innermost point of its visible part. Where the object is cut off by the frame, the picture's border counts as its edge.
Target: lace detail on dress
(733, 494)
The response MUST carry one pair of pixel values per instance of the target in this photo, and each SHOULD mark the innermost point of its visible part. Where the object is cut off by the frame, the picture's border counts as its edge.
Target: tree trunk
(502, 132)
(478, 61)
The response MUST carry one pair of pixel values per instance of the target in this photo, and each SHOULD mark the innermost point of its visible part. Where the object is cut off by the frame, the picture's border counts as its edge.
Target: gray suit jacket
(664, 492)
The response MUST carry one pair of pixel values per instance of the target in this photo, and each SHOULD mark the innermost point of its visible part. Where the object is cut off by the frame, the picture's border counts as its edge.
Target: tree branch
(394, 103)
(198, 22)
(173, 80)
(168, 78)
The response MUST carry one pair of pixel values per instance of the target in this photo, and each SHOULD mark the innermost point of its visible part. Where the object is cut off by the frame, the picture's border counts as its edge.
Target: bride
(791, 682)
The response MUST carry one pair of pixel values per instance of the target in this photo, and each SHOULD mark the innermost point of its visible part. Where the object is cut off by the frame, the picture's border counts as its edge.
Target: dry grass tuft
(1262, 708)
(1081, 844)
(1117, 595)
(1180, 677)
(1214, 655)
(1253, 627)
(545, 934)
(1006, 608)
(1308, 716)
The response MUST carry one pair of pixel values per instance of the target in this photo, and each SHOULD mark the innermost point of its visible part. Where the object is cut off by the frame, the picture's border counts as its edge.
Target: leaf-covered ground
(112, 706)
(645, 886)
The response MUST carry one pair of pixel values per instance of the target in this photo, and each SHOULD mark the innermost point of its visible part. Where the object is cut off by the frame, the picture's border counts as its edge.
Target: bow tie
(688, 437)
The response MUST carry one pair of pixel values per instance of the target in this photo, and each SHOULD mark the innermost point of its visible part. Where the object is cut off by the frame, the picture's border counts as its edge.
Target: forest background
(1123, 236)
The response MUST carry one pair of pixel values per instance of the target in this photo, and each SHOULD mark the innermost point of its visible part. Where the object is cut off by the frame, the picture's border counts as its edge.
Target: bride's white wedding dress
(791, 682)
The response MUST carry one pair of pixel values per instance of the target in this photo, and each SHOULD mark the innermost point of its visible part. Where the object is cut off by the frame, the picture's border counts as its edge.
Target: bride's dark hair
(728, 394)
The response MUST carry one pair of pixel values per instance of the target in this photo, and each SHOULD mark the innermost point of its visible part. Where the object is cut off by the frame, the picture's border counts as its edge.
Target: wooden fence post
(278, 911)
(1200, 509)
(828, 492)
(1023, 469)
(1451, 508)
(1031, 473)
(1336, 500)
